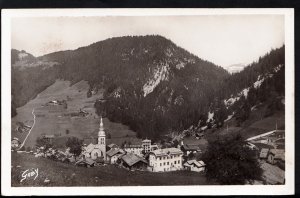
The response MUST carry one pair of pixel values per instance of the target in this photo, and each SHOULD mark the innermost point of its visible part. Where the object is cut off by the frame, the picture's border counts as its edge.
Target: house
(15, 143)
(187, 149)
(142, 149)
(276, 155)
(132, 162)
(168, 159)
(146, 144)
(86, 162)
(94, 151)
(134, 149)
(194, 165)
(112, 146)
(263, 155)
(113, 154)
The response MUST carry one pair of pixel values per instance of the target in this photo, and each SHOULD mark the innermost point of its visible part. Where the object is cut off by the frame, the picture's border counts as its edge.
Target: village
(154, 157)
(147, 156)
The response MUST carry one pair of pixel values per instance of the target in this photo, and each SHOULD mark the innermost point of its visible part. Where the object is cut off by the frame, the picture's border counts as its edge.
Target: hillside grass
(51, 119)
(62, 174)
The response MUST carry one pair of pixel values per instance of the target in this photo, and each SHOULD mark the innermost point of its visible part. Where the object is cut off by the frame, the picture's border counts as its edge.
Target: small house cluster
(271, 154)
(145, 157)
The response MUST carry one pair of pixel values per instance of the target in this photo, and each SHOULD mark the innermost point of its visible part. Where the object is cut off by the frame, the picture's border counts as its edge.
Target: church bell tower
(101, 139)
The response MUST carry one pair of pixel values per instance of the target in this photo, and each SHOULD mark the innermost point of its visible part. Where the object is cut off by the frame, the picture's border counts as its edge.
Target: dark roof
(278, 153)
(262, 146)
(113, 152)
(191, 147)
(130, 159)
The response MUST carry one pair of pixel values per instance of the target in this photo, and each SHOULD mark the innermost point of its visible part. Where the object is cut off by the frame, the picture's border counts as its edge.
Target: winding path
(28, 131)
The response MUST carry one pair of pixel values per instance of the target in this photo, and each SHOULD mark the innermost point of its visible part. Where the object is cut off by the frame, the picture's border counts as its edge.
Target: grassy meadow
(54, 120)
(62, 174)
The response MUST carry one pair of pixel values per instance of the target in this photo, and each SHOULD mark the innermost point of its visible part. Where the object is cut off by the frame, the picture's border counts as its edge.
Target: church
(98, 150)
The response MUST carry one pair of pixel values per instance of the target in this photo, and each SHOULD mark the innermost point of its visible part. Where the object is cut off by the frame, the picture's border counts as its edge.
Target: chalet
(276, 155)
(168, 159)
(113, 154)
(133, 162)
(86, 162)
(190, 148)
(263, 155)
(112, 146)
(194, 165)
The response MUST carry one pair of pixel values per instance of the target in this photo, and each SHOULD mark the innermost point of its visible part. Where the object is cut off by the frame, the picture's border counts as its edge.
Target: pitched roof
(278, 153)
(191, 147)
(264, 153)
(132, 146)
(86, 161)
(113, 152)
(130, 159)
(194, 162)
(167, 151)
(112, 145)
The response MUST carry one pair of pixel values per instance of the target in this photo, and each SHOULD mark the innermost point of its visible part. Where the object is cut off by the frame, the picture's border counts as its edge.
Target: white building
(194, 165)
(142, 149)
(168, 159)
(96, 150)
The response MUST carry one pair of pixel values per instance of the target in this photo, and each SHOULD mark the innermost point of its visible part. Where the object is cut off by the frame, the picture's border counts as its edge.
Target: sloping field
(56, 120)
(62, 174)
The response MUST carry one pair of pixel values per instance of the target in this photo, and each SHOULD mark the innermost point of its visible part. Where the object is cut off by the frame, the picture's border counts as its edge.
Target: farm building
(168, 159)
(190, 148)
(112, 146)
(132, 162)
(86, 162)
(113, 154)
(264, 154)
(194, 165)
(276, 155)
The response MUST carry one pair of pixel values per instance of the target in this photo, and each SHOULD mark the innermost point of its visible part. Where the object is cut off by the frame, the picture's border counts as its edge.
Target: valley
(53, 120)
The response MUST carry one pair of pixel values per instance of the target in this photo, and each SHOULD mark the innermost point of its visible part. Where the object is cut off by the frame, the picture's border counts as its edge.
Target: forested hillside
(150, 83)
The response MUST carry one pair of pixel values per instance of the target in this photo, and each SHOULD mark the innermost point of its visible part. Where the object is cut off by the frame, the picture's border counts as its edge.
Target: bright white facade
(134, 149)
(168, 159)
(193, 165)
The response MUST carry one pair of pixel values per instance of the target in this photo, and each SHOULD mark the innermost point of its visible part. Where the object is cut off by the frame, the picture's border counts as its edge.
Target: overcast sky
(223, 40)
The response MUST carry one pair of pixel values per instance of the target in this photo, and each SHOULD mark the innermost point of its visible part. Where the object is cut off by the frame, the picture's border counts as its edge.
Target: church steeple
(101, 134)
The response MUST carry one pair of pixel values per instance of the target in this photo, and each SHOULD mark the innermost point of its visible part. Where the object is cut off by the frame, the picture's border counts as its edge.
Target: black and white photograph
(172, 99)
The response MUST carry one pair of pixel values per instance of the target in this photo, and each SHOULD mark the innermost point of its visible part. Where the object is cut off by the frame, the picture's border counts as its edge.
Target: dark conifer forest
(151, 84)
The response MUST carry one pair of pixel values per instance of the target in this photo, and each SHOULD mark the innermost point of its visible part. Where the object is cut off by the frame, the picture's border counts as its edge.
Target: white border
(288, 188)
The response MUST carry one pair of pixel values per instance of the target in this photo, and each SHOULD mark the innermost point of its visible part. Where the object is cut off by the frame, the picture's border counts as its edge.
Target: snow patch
(210, 116)
(276, 69)
(180, 65)
(203, 128)
(245, 92)
(257, 84)
(160, 74)
(229, 118)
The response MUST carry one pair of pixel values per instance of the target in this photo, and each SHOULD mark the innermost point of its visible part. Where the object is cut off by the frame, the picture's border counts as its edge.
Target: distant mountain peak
(234, 68)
